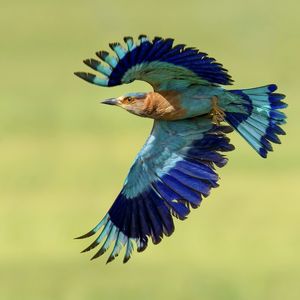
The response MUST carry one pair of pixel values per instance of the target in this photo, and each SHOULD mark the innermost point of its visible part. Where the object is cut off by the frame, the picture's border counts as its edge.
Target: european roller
(176, 167)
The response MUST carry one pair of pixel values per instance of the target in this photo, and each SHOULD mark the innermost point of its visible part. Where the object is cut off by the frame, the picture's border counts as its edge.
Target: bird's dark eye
(128, 99)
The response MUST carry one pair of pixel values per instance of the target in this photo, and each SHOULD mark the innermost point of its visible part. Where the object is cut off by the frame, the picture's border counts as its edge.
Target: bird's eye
(128, 99)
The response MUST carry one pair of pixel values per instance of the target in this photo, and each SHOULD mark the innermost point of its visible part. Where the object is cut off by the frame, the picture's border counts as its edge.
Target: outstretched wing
(171, 173)
(157, 62)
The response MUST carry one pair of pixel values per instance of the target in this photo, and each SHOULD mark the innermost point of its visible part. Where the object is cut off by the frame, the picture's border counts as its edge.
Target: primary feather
(175, 168)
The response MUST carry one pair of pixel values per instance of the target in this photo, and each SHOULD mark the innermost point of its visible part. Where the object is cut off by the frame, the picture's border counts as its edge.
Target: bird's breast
(164, 105)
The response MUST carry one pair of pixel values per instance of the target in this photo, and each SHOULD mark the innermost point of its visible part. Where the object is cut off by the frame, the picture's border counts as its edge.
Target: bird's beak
(111, 101)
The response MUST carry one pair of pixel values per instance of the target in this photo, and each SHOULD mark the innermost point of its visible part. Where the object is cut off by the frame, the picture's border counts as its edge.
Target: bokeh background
(63, 157)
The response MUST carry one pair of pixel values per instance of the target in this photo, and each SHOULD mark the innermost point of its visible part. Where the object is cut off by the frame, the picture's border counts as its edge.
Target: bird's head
(132, 102)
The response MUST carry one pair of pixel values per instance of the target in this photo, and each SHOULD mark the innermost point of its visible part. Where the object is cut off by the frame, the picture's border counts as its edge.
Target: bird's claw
(216, 113)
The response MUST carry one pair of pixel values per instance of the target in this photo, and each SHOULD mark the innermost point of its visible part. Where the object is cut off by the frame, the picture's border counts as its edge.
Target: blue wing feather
(182, 190)
(158, 50)
(178, 209)
(167, 178)
(191, 182)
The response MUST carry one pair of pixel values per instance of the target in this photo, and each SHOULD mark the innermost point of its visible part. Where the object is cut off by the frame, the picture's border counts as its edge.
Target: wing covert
(155, 62)
(171, 174)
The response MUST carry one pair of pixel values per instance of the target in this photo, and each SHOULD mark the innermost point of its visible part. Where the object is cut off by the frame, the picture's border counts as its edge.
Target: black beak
(111, 101)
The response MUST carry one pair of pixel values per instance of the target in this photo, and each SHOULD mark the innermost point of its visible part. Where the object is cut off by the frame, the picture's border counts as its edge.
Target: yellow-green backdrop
(63, 157)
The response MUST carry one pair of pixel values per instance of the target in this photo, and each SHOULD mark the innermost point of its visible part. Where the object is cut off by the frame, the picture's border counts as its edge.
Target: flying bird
(175, 168)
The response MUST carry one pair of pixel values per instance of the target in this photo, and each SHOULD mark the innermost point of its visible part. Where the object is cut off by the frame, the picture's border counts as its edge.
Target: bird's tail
(255, 115)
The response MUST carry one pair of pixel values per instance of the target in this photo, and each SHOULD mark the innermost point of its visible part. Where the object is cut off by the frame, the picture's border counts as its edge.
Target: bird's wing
(157, 62)
(172, 172)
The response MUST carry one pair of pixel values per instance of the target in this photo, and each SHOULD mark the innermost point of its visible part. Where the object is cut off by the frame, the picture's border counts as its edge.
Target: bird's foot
(217, 114)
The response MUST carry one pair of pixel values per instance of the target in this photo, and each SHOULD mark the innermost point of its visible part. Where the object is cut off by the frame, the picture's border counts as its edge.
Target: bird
(192, 114)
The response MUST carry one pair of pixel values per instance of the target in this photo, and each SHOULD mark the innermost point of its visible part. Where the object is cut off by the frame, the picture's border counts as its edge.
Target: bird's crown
(137, 95)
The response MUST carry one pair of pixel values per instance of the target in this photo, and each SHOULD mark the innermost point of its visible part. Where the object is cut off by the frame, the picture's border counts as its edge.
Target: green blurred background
(63, 157)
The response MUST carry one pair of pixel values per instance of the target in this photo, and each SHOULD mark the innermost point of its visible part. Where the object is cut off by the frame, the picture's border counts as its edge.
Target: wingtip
(113, 45)
(92, 63)
(90, 247)
(102, 54)
(126, 259)
(111, 258)
(99, 253)
(263, 152)
(126, 38)
(142, 248)
(93, 257)
(88, 234)
(156, 39)
(85, 250)
(142, 38)
(78, 74)
(87, 61)
(85, 76)
(272, 87)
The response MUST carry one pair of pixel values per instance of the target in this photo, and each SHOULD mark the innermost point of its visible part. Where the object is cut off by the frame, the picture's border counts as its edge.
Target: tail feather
(256, 116)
